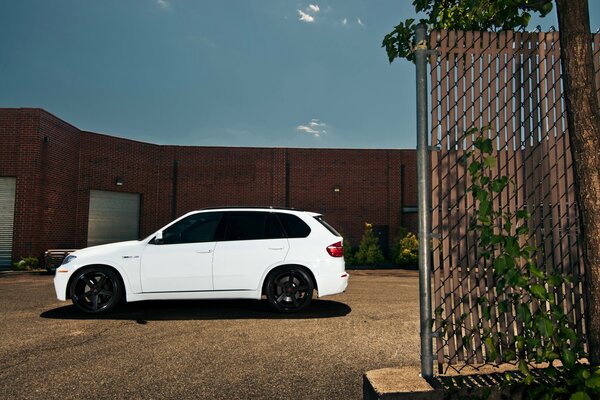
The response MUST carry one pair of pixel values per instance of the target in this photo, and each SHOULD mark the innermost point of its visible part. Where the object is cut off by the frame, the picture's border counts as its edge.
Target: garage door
(7, 218)
(113, 217)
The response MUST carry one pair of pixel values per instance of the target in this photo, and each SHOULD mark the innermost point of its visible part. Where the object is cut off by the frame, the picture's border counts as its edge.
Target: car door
(181, 261)
(253, 241)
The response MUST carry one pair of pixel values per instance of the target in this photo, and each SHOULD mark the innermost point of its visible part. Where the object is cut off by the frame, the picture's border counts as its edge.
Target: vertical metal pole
(424, 200)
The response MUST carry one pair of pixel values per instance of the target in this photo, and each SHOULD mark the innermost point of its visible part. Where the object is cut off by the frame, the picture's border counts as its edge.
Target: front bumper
(61, 279)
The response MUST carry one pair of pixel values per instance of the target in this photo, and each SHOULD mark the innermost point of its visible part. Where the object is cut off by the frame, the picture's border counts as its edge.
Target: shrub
(406, 249)
(26, 264)
(369, 252)
(349, 254)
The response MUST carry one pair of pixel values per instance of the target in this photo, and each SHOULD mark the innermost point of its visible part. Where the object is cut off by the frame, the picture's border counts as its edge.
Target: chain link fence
(511, 82)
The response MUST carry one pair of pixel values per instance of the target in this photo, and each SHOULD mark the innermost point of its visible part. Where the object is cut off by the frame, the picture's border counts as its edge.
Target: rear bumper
(333, 284)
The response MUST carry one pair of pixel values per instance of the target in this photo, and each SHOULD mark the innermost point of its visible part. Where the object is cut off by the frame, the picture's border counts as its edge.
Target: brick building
(60, 186)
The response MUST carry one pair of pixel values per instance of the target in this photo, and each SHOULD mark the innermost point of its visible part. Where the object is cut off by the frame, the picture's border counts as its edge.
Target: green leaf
(523, 214)
(539, 292)
(501, 265)
(512, 247)
(474, 167)
(503, 306)
(489, 161)
(544, 326)
(585, 374)
(522, 230)
(568, 358)
(486, 146)
(555, 280)
(536, 272)
(551, 356)
(482, 196)
(509, 355)
(497, 239)
(593, 382)
(486, 313)
(498, 185)
(523, 313)
(580, 396)
(492, 351)
(569, 334)
(523, 367)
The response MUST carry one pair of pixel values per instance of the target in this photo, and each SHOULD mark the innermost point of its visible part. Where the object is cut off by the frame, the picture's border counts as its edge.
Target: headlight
(68, 259)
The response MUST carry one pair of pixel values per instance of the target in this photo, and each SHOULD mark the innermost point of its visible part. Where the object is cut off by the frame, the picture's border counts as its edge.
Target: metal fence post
(424, 201)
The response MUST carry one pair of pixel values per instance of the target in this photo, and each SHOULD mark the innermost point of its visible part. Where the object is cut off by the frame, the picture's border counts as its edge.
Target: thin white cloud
(315, 128)
(314, 8)
(305, 17)
(164, 4)
(345, 21)
(360, 22)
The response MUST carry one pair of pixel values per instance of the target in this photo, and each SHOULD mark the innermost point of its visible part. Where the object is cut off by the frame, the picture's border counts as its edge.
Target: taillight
(336, 250)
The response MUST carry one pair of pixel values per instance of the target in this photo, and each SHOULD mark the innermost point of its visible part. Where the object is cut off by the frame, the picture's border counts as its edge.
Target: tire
(96, 290)
(289, 289)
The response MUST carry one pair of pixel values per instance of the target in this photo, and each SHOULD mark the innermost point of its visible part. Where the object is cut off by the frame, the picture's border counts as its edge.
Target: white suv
(220, 253)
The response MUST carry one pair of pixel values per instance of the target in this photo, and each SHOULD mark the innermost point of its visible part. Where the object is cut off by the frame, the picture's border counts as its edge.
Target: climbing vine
(524, 291)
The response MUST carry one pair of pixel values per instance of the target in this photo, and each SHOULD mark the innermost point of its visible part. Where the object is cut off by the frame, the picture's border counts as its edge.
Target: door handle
(204, 251)
(275, 248)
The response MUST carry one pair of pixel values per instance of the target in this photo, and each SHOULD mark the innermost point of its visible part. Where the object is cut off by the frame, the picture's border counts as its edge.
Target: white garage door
(113, 217)
(7, 218)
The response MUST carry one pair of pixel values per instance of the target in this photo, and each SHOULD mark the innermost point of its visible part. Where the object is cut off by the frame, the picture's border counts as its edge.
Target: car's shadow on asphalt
(158, 310)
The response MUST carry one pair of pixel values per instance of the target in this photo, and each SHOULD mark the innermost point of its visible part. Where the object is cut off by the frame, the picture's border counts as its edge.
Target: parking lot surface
(205, 349)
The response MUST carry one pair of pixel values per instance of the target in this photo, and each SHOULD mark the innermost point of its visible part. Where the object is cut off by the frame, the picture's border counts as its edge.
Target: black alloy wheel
(289, 289)
(96, 290)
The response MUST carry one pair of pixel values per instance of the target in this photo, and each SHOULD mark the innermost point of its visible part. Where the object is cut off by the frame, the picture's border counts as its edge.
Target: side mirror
(158, 239)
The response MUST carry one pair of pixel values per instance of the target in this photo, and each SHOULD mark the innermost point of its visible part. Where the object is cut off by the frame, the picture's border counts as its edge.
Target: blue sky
(216, 73)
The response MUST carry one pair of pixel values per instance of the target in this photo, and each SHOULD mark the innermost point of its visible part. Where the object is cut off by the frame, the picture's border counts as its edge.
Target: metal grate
(511, 82)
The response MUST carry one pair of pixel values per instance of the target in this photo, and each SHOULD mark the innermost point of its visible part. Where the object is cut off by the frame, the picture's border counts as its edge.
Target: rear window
(294, 227)
(326, 225)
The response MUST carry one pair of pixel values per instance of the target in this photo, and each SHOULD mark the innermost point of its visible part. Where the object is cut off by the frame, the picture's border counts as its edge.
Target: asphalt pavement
(205, 349)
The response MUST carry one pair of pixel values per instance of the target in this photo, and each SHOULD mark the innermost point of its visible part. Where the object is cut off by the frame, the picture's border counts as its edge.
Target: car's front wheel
(96, 290)
(289, 289)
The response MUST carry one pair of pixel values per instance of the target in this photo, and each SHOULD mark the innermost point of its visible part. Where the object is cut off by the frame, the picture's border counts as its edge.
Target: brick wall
(21, 157)
(57, 165)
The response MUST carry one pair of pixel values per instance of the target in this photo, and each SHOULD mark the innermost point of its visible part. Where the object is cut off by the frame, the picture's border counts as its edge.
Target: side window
(294, 227)
(196, 228)
(274, 230)
(252, 225)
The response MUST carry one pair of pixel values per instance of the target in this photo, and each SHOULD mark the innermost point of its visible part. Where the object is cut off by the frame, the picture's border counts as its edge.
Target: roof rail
(250, 207)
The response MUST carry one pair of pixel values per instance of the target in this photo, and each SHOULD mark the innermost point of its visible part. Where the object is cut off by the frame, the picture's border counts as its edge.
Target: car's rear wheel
(96, 290)
(289, 289)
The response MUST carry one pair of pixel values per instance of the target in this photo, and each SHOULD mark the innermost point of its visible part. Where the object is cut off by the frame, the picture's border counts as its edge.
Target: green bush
(406, 249)
(26, 264)
(349, 254)
(369, 252)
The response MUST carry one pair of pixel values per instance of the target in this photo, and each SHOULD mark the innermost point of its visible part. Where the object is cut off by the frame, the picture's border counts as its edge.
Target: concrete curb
(13, 272)
(406, 383)
(397, 383)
